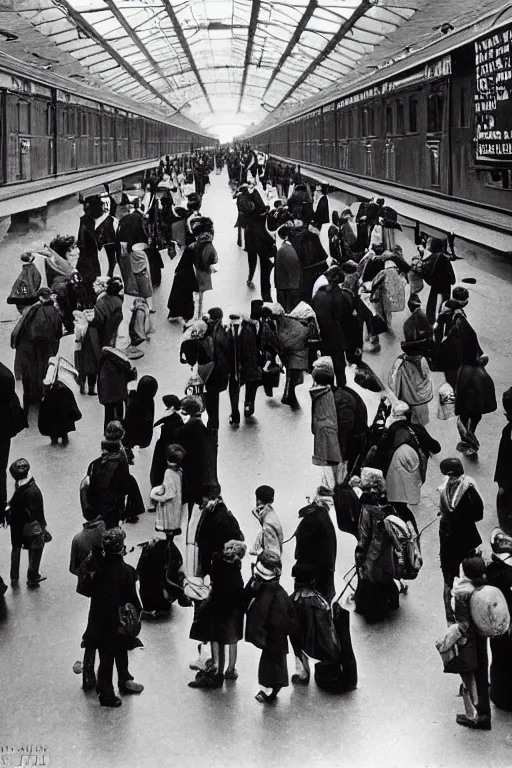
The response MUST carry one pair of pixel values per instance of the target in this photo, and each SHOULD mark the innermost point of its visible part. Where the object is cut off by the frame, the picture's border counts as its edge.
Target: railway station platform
(403, 711)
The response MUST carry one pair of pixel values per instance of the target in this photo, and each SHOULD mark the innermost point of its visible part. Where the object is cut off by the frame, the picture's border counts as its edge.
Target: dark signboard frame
(493, 99)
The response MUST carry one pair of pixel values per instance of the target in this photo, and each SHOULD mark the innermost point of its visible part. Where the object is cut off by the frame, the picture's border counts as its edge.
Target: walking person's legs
(105, 686)
(234, 398)
(15, 564)
(34, 561)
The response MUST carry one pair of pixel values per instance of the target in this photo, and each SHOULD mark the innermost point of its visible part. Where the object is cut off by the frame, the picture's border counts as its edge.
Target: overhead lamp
(8, 37)
(444, 28)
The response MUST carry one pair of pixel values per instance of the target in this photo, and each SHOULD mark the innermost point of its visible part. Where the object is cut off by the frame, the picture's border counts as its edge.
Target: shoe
(301, 679)
(151, 509)
(92, 392)
(248, 410)
(461, 447)
(230, 674)
(3, 589)
(294, 404)
(36, 582)
(131, 687)
(208, 678)
(88, 683)
(250, 284)
(15, 583)
(82, 388)
(112, 701)
(65, 440)
(482, 723)
(234, 421)
(55, 441)
(265, 698)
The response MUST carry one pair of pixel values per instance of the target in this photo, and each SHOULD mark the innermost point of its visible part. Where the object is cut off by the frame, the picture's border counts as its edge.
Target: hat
(210, 490)
(474, 567)
(216, 313)
(171, 401)
(304, 572)
(451, 467)
(400, 409)
(192, 405)
(112, 541)
(507, 401)
(268, 565)
(324, 365)
(372, 481)
(114, 431)
(27, 257)
(19, 469)
(437, 245)
(334, 274)
(273, 308)
(234, 551)
(346, 212)
(461, 294)
(265, 494)
(44, 293)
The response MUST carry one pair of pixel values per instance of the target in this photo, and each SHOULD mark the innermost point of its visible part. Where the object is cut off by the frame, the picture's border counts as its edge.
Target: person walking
(270, 621)
(460, 508)
(114, 373)
(324, 426)
(271, 534)
(294, 331)
(171, 513)
(287, 272)
(316, 545)
(502, 474)
(198, 464)
(109, 478)
(440, 277)
(13, 421)
(87, 541)
(28, 524)
(113, 595)
(169, 424)
(245, 363)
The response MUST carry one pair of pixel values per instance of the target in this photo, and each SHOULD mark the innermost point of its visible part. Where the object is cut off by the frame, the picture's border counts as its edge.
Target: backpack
(129, 621)
(489, 611)
(428, 266)
(407, 547)
(21, 290)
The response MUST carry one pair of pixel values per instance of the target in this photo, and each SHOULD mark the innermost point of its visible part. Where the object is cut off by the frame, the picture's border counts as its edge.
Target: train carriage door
(437, 147)
(3, 134)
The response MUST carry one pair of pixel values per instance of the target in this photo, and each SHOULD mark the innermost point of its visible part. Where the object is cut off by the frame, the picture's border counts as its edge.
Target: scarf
(452, 493)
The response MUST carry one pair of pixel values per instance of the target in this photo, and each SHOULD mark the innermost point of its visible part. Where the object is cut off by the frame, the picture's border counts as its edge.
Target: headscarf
(372, 481)
(268, 565)
(234, 551)
(302, 312)
(113, 541)
(501, 542)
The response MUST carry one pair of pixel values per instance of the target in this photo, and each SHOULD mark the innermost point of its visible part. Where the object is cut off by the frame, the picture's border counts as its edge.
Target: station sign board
(493, 98)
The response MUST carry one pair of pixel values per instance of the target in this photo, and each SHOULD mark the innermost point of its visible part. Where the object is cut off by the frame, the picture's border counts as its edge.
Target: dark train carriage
(28, 131)
(329, 144)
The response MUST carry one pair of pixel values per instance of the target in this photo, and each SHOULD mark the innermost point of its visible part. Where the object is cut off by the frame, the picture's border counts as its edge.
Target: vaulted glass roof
(217, 62)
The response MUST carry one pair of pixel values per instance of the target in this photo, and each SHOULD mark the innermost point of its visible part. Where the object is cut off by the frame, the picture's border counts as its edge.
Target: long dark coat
(181, 299)
(244, 354)
(219, 376)
(109, 485)
(12, 417)
(58, 412)
(88, 263)
(316, 545)
(199, 463)
(312, 257)
(108, 315)
(26, 505)
(216, 526)
(114, 373)
(169, 426)
(499, 574)
(36, 339)
(458, 533)
(334, 308)
(474, 392)
(113, 586)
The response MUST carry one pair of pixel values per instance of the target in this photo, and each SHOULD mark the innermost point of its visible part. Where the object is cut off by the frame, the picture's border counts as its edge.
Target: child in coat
(171, 514)
(270, 620)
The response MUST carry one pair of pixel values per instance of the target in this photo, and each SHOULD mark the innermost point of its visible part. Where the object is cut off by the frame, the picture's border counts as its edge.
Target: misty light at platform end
(226, 133)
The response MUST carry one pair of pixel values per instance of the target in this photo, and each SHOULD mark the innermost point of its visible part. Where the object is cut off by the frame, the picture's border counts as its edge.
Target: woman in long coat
(499, 574)
(461, 507)
(181, 298)
(294, 331)
(376, 592)
(474, 396)
(169, 424)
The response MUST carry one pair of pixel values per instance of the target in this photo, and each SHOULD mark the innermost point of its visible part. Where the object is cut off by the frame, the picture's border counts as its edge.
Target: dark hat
(304, 572)
(19, 469)
(216, 313)
(474, 567)
(459, 293)
(256, 307)
(171, 401)
(437, 245)
(265, 494)
(114, 431)
(334, 274)
(112, 541)
(192, 405)
(451, 467)
(210, 490)
(147, 386)
(27, 257)
(507, 401)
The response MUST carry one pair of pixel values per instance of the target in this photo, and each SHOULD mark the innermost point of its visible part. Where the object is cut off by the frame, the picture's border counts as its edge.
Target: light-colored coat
(168, 501)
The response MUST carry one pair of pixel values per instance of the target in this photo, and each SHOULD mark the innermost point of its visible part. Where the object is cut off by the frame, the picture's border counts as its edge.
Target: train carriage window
(83, 123)
(413, 115)
(499, 179)
(371, 121)
(49, 118)
(364, 123)
(435, 112)
(400, 117)
(389, 119)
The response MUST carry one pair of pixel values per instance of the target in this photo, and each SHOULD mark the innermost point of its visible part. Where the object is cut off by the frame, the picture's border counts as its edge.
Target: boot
(292, 399)
(88, 675)
(26, 405)
(286, 393)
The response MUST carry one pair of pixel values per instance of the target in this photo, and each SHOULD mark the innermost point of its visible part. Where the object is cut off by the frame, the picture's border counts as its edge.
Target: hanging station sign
(493, 98)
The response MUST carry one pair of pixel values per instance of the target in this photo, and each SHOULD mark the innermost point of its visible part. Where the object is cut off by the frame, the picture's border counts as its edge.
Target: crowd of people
(327, 313)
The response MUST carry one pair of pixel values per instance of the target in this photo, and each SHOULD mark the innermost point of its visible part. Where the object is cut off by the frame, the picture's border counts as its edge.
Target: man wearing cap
(27, 522)
(455, 337)
(271, 533)
(503, 472)
(441, 278)
(258, 242)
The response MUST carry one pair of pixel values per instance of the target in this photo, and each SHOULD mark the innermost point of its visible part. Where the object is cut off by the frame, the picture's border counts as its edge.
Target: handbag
(195, 589)
(47, 537)
(32, 530)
